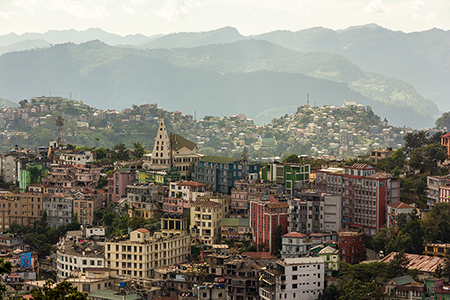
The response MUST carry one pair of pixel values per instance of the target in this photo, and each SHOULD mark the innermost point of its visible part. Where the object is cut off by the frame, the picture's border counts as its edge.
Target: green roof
(124, 170)
(235, 222)
(403, 280)
(112, 295)
(218, 159)
(178, 142)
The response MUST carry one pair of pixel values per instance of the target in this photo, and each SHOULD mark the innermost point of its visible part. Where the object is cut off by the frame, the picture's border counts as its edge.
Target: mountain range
(208, 71)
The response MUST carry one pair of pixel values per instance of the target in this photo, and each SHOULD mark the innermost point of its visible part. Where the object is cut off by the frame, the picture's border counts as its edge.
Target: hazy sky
(248, 16)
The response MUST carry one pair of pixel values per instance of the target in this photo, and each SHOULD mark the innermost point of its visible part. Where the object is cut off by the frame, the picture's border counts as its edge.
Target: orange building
(22, 208)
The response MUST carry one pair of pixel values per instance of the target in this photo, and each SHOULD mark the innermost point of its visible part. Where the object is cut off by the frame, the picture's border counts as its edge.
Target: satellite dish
(146, 166)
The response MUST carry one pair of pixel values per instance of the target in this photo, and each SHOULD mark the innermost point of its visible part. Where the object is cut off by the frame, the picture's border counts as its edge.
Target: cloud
(128, 9)
(174, 9)
(7, 15)
(80, 9)
(427, 17)
(418, 4)
(377, 6)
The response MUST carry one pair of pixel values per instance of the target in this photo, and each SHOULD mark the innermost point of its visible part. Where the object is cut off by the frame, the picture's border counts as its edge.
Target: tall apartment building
(295, 177)
(365, 194)
(85, 203)
(118, 182)
(293, 278)
(244, 191)
(433, 184)
(352, 245)
(71, 178)
(22, 208)
(143, 198)
(241, 278)
(265, 216)
(205, 221)
(222, 172)
(138, 254)
(315, 212)
(58, 208)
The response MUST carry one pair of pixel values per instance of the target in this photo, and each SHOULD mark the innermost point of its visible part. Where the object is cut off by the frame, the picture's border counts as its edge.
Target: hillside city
(325, 203)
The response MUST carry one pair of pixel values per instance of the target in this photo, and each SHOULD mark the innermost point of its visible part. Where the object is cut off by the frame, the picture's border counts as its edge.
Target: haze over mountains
(404, 77)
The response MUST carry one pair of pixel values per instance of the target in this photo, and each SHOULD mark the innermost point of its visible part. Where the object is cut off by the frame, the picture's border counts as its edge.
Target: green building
(32, 174)
(159, 176)
(293, 176)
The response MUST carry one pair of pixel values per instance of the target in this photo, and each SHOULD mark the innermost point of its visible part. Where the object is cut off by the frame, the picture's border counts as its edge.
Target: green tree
(138, 149)
(120, 152)
(100, 153)
(62, 291)
(442, 121)
(360, 290)
(277, 238)
(5, 268)
(331, 292)
(292, 158)
(398, 266)
(415, 140)
(381, 239)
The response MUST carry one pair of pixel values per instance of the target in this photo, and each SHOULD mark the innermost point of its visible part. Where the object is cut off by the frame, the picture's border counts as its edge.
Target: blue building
(222, 172)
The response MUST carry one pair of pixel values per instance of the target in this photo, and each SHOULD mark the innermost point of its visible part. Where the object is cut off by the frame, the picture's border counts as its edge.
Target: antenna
(59, 125)
(244, 156)
(195, 115)
(307, 99)
(70, 95)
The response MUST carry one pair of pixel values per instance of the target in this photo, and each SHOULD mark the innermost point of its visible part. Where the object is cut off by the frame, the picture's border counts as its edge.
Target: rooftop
(205, 203)
(112, 295)
(192, 184)
(301, 260)
(295, 235)
(420, 262)
(177, 142)
(218, 159)
(235, 222)
(400, 205)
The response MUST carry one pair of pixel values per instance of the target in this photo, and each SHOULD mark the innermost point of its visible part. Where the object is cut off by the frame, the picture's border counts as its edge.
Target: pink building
(117, 184)
(175, 205)
(444, 193)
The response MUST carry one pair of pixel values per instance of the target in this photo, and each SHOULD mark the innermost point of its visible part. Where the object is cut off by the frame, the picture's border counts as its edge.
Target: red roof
(192, 184)
(295, 235)
(360, 166)
(142, 230)
(278, 205)
(447, 135)
(400, 205)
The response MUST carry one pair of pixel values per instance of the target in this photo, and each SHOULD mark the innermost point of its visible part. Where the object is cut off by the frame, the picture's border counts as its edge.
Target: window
(294, 277)
(294, 269)
(294, 286)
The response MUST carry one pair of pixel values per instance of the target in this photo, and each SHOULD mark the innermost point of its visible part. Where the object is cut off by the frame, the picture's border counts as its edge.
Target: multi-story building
(244, 191)
(395, 210)
(445, 141)
(242, 278)
(142, 198)
(118, 182)
(73, 158)
(58, 208)
(293, 278)
(433, 185)
(265, 216)
(221, 173)
(172, 151)
(331, 256)
(72, 254)
(444, 193)
(205, 221)
(295, 177)
(85, 203)
(365, 193)
(352, 245)
(436, 250)
(232, 228)
(315, 212)
(187, 190)
(296, 244)
(22, 208)
(378, 154)
(138, 254)
(71, 178)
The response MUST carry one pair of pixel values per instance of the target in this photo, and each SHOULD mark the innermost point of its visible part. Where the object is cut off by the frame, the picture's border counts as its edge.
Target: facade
(296, 244)
(205, 221)
(378, 154)
(72, 158)
(71, 178)
(242, 278)
(445, 141)
(331, 256)
(138, 254)
(295, 177)
(433, 185)
(436, 250)
(444, 193)
(265, 216)
(86, 203)
(142, 198)
(221, 173)
(395, 210)
(352, 246)
(187, 190)
(232, 228)
(75, 254)
(293, 278)
(59, 209)
(244, 191)
(118, 182)
(22, 208)
(315, 212)
(365, 192)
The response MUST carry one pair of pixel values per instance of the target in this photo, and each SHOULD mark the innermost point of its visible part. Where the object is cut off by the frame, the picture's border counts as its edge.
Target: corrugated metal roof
(420, 262)
(220, 246)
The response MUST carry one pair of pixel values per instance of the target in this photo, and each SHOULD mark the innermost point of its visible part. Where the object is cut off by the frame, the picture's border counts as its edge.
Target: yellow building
(205, 221)
(139, 253)
(436, 250)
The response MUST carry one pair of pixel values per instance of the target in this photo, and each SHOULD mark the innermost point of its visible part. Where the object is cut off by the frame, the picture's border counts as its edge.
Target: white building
(94, 231)
(71, 158)
(187, 190)
(293, 278)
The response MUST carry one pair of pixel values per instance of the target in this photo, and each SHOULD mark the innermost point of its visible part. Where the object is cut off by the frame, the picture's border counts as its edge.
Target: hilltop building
(378, 154)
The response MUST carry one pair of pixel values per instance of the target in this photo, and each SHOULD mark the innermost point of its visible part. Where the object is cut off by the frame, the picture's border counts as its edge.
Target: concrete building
(315, 212)
(378, 154)
(444, 193)
(76, 254)
(187, 190)
(85, 203)
(293, 278)
(332, 257)
(265, 216)
(433, 184)
(232, 228)
(205, 221)
(72, 158)
(71, 178)
(445, 141)
(221, 173)
(395, 210)
(138, 254)
(59, 209)
(142, 198)
(352, 245)
(365, 192)
(295, 177)
(22, 208)
(296, 244)
(242, 278)
(118, 182)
